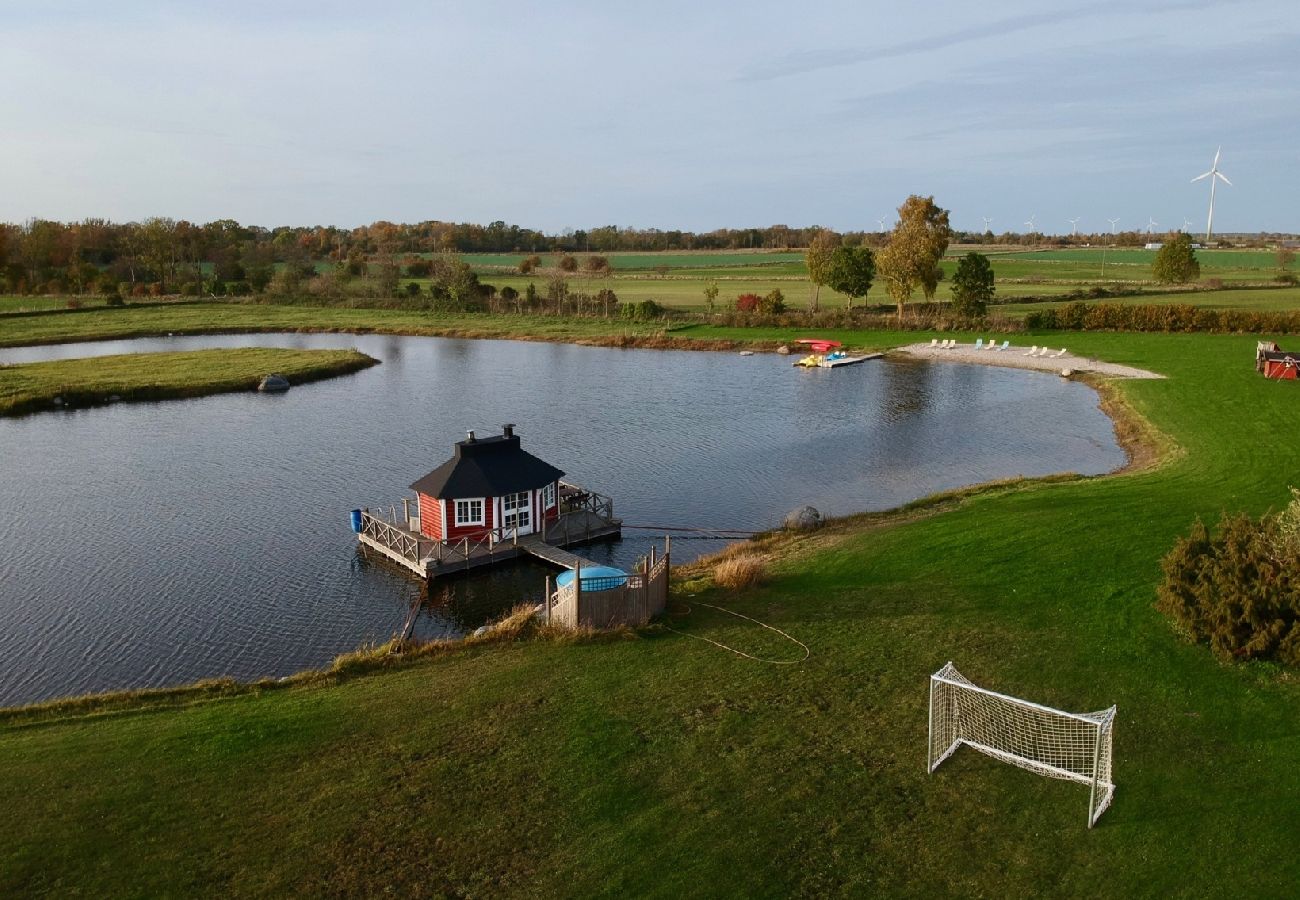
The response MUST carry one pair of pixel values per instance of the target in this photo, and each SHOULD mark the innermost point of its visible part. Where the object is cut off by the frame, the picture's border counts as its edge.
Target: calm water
(157, 543)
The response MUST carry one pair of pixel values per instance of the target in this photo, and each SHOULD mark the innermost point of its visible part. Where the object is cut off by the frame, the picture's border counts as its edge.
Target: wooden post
(577, 595)
(668, 546)
(547, 600)
(406, 512)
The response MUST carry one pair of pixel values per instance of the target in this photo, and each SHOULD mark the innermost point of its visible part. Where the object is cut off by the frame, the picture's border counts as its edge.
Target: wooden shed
(490, 485)
(1274, 362)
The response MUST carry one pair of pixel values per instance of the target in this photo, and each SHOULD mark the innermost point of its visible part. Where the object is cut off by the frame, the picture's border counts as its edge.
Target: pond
(154, 544)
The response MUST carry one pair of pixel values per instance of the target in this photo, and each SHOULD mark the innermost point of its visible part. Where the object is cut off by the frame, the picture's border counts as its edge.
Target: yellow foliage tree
(915, 247)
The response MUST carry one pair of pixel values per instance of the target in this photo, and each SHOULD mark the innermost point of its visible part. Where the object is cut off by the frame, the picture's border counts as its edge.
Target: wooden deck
(589, 520)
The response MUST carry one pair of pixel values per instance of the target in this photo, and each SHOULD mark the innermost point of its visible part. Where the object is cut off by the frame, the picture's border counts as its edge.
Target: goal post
(1071, 746)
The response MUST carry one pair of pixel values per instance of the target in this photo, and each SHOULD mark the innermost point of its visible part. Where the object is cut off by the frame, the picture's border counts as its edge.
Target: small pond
(158, 543)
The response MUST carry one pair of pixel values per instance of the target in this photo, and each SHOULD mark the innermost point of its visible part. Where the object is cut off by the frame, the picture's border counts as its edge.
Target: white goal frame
(1071, 746)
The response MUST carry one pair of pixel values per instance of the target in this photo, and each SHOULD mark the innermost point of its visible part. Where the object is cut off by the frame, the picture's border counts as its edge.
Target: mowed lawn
(656, 764)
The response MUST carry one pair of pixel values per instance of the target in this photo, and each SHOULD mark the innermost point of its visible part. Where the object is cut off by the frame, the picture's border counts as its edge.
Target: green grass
(157, 376)
(655, 764)
(1280, 299)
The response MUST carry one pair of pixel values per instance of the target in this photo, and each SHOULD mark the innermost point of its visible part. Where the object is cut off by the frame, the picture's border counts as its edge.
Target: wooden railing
(607, 602)
(405, 543)
(574, 498)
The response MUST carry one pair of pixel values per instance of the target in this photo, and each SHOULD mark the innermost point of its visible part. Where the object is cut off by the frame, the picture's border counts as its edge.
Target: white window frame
(465, 520)
(548, 495)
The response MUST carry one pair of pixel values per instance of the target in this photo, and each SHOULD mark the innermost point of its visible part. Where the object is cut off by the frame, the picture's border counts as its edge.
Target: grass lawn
(156, 376)
(656, 764)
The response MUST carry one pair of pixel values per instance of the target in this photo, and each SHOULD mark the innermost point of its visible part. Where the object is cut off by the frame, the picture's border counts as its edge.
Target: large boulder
(274, 384)
(805, 518)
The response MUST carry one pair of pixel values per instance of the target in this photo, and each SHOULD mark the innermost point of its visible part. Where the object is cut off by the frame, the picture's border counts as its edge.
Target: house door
(517, 513)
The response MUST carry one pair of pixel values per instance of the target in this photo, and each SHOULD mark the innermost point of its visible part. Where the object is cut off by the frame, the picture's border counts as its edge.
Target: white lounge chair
(1042, 352)
(979, 344)
(934, 342)
(1005, 345)
(952, 343)
(1033, 351)
(1059, 355)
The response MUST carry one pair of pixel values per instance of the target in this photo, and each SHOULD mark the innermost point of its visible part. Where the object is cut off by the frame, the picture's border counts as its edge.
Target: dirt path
(1015, 358)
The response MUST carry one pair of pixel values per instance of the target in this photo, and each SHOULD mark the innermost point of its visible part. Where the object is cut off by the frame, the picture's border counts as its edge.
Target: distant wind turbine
(1074, 227)
(1151, 224)
(1187, 224)
(1113, 223)
(1214, 175)
(1030, 224)
(881, 222)
(987, 222)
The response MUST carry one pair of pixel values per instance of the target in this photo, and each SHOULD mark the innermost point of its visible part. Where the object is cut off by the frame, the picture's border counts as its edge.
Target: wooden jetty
(584, 516)
(841, 361)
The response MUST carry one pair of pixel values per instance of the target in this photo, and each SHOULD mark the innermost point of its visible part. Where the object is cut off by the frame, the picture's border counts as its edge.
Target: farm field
(543, 767)
(1277, 299)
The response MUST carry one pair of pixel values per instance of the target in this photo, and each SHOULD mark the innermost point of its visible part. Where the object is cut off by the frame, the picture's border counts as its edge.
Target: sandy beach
(1014, 357)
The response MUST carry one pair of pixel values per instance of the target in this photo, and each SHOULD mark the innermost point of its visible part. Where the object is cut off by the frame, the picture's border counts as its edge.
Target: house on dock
(489, 503)
(490, 485)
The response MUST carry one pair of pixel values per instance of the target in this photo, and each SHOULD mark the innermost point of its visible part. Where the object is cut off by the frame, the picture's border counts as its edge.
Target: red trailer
(1274, 362)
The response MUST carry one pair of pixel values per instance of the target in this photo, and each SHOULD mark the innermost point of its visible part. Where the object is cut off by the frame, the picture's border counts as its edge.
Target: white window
(469, 512)
(548, 496)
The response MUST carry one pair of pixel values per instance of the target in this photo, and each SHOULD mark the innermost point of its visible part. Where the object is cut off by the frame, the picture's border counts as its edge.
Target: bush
(739, 572)
(1175, 262)
(239, 288)
(73, 303)
(773, 304)
(1239, 591)
(115, 300)
(413, 289)
(972, 286)
(190, 289)
(748, 303)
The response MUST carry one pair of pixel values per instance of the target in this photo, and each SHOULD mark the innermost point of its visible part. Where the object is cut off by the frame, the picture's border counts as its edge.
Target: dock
(584, 517)
(842, 361)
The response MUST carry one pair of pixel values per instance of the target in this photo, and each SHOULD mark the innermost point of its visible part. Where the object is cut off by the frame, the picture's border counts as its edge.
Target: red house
(491, 484)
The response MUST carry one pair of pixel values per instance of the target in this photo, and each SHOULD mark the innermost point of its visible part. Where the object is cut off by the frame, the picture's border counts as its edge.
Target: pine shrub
(1238, 590)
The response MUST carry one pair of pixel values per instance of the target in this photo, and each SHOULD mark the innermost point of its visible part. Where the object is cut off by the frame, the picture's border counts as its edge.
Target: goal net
(1073, 746)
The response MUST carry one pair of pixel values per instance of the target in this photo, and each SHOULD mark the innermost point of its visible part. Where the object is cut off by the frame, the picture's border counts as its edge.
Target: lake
(154, 544)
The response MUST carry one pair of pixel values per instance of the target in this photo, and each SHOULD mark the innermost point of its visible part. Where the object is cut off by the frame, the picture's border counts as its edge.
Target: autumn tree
(917, 243)
(711, 295)
(818, 260)
(1176, 262)
(596, 265)
(851, 271)
(972, 285)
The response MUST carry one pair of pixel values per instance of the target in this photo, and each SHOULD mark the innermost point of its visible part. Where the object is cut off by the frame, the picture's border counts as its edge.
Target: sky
(655, 115)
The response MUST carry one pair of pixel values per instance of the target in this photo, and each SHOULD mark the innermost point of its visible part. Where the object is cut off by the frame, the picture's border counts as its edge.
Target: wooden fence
(611, 602)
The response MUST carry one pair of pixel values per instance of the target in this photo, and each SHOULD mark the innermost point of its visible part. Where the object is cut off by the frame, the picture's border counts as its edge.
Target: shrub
(73, 303)
(239, 288)
(412, 289)
(748, 302)
(190, 289)
(773, 304)
(1239, 590)
(115, 300)
(740, 572)
(566, 263)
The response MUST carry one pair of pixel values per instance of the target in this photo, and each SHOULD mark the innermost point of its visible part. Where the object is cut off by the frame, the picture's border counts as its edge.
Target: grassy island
(163, 376)
(649, 763)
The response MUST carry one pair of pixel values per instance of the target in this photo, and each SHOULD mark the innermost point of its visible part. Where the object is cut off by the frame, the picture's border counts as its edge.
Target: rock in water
(273, 384)
(805, 518)
(783, 350)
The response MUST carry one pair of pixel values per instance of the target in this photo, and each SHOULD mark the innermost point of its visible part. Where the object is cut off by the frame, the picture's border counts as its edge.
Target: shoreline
(1015, 358)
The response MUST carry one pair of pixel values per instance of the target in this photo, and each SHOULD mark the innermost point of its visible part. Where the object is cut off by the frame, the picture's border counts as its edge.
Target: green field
(158, 376)
(1280, 299)
(654, 764)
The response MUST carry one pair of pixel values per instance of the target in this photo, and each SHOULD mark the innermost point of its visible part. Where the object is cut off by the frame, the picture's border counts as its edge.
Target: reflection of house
(491, 484)
(1274, 362)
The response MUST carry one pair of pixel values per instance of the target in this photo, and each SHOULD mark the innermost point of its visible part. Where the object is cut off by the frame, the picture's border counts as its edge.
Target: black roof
(487, 467)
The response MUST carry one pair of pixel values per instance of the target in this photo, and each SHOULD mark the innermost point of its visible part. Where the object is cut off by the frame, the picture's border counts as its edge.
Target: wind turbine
(1187, 224)
(1074, 227)
(1113, 223)
(987, 222)
(1030, 224)
(881, 223)
(1214, 175)
(1151, 224)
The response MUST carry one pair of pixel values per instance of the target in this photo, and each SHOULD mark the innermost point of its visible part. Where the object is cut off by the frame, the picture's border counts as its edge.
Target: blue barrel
(356, 520)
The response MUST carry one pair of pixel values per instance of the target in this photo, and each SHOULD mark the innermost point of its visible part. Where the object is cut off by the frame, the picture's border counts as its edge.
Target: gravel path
(1015, 358)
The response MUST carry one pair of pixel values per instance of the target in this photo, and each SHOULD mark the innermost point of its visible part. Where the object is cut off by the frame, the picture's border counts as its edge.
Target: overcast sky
(655, 114)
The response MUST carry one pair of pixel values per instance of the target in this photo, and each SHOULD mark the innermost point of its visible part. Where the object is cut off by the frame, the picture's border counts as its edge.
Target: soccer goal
(1073, 746)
